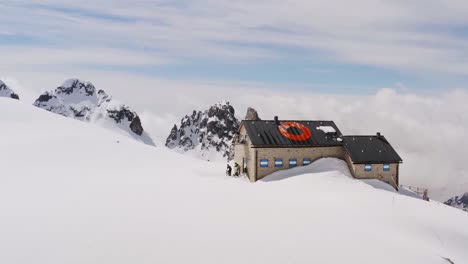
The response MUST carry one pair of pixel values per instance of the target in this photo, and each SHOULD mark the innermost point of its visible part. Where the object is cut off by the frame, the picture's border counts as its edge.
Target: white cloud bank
(428, 130)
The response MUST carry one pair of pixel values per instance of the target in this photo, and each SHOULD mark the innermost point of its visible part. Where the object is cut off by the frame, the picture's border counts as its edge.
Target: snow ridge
(208, 133)
(460, 202)
(5, 91)
(81, 100)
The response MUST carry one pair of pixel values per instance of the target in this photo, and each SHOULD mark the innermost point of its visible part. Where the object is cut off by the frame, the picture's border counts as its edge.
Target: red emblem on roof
(284, 129)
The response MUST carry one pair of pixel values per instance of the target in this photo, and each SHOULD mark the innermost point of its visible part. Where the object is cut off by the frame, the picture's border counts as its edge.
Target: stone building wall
(293, 153)
(377, 172)
(244, 153)
(351, 165)
(249, 157)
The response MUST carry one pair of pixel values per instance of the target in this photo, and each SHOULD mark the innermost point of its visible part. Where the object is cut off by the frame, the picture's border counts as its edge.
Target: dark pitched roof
(265, 133)
(370, 149)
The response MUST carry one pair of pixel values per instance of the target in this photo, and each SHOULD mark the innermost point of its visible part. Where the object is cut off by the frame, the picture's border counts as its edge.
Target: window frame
(367, 167)
(292, 165)
(386, 167)
(263, 160)
(280, 165)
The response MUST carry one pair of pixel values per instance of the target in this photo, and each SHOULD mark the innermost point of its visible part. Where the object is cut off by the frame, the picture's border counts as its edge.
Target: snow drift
(76, 193)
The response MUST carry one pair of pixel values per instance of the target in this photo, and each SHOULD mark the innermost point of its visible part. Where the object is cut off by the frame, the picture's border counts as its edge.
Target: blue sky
(333, 46)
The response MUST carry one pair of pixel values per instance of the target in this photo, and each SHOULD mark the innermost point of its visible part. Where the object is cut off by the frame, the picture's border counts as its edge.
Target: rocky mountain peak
(252, 114)
(5, 91)
(81, 100)
(208, 132)
(460, 202)
(75, 86)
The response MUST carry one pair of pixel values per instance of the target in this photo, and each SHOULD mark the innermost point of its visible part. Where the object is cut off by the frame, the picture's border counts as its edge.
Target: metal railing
(423, 192)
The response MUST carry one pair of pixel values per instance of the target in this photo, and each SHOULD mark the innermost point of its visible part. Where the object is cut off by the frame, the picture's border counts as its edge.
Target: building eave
(296, 146)
(379, 162)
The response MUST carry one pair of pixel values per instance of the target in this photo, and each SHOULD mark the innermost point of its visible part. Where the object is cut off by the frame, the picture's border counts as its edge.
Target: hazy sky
(334, 46)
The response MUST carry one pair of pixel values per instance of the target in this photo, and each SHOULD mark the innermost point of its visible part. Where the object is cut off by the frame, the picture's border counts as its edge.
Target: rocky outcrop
(207, 133)
(5, 91)
(81, 100)
(252, 114)
(460, 202)
(122, 114)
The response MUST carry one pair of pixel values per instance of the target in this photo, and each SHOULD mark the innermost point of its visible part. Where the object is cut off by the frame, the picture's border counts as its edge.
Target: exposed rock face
(460, 202)
(81, 100)
(252, 114)
(5, 91)
(122, 114)
(209, 132)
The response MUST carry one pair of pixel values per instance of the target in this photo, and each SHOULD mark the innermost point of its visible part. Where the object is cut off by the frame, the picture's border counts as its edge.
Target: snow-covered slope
(72, 192)
(81, 100)
(460, 202)
(6, 91)
(206, 134)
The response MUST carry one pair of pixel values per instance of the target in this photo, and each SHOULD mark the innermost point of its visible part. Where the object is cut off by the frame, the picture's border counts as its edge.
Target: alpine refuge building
(262, 147)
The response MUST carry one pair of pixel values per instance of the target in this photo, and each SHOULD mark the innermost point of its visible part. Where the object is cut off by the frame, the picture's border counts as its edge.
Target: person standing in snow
(425, 195)
(238, 168)
(228, 170)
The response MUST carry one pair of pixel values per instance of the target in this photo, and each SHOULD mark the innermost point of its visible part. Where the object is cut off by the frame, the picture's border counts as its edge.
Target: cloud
(25, 58)
(428, 130)
(400, 35)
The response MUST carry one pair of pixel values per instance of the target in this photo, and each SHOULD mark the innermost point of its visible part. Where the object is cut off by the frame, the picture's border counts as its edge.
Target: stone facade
(244, 154)
(377, 172)
(249, 157)
(299, 154)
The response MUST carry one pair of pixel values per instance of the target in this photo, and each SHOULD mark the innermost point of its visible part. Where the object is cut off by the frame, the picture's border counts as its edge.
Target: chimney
(276, 121)
(378, 134)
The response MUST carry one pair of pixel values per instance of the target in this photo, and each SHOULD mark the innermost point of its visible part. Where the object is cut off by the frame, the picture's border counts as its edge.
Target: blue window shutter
(386, 167)
(368, 167)
(292, 162)
(306, 161)
(278, 163)
(264, 163)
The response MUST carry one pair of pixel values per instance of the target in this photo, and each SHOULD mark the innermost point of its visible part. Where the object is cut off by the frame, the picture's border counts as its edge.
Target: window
(386, 167)
(368, 167)
(306, 161)
(278, 163)
(263, 163)
(292, 162)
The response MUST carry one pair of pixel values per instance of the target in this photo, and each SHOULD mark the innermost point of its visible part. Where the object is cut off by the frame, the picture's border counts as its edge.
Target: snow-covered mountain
(81, 100)
(460, 202)
(6, 91)
(84, 197)
(207, 134)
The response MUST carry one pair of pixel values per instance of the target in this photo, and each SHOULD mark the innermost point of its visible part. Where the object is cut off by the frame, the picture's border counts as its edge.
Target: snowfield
(73, 192)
